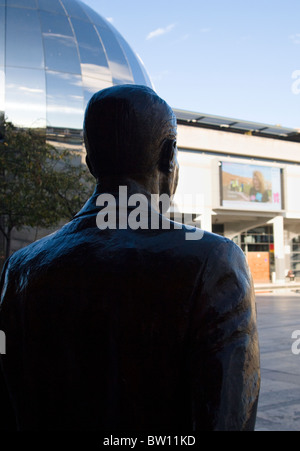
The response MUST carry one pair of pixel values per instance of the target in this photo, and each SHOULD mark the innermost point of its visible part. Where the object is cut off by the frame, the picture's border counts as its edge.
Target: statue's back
(100, 328)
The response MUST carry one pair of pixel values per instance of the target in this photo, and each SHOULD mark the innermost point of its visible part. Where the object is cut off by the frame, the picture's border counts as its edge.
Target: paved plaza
(279, 404)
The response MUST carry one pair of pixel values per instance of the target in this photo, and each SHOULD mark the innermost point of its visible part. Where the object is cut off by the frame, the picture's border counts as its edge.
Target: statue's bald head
(126, 129)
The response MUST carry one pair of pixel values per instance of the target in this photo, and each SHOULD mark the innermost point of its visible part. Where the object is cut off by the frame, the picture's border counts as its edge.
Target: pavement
(276, 287)
(278, 316)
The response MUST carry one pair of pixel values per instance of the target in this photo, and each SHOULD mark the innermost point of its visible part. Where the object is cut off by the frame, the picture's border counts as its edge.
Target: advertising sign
(251, 187)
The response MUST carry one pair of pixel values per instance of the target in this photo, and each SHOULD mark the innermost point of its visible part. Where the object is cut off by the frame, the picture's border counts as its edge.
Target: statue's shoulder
(40, 251)
(217, 245)
(201, 240)
(196, 246)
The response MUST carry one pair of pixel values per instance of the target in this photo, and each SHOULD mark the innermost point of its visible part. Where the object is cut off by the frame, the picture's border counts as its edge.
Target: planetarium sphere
(54, 55)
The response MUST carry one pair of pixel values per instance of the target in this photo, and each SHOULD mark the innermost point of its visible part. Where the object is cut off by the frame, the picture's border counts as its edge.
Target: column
(206, 221)
(278, 226)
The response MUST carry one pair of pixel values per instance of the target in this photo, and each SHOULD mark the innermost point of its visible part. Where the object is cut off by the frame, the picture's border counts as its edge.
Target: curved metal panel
(25, 99)
(24, 46)
(53, 6)
(2, 35)
(74, 9)
(91, 14)
(93, 59)
(92, 85)
(22, 3)
(61, 52)
(135, 66)
(118, 64)
(64, 100)
(2, 92)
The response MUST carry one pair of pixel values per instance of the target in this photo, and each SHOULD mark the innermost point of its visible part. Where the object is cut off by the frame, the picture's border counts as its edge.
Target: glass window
(92, 56)
(116, 58)
(25, 102)
(258, 248)
(61, 52)
(23, 3)
(219, 229)
(52, 5)
(24, 46)
(64, 100)
(74, 9)
(259, 239)
(135, 66)
(2, 35)
(295, 257)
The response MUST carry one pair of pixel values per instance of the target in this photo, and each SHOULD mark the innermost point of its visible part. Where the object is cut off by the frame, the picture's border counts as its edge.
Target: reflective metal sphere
(54, 54)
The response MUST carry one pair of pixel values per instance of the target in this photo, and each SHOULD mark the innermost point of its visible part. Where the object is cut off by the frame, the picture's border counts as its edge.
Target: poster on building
(251, 187)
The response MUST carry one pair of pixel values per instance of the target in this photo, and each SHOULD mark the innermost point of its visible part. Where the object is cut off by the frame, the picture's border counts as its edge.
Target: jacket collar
(91, 208)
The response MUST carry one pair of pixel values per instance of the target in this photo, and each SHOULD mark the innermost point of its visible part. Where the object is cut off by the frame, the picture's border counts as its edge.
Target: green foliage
(39, 184)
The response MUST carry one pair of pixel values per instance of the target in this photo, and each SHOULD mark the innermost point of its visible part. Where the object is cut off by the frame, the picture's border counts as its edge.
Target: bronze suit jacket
(135, 330)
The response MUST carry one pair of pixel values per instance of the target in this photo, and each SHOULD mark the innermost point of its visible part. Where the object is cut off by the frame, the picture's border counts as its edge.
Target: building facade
(242, 180)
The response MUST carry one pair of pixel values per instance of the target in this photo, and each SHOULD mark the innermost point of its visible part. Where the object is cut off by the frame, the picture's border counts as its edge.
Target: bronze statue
(129, 328)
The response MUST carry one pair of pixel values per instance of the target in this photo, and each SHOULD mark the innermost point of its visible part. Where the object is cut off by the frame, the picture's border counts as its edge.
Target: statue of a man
(129, 328)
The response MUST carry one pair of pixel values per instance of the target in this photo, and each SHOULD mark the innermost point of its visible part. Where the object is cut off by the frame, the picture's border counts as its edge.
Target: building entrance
(258, 246)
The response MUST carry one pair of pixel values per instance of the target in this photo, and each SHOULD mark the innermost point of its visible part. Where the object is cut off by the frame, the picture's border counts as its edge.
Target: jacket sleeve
(7, 418)
(224, 368)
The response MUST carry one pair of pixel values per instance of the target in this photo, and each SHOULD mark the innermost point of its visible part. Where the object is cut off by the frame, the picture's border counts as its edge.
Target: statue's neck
(142, 185)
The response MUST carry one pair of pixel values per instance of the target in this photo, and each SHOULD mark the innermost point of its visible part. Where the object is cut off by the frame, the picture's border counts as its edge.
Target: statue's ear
(166, 162)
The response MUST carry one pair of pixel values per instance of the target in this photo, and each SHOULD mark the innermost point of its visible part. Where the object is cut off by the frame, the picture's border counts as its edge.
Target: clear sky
(233, 58)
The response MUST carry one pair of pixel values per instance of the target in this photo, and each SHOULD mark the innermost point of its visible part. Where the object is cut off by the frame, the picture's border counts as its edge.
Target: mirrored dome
(54, 54)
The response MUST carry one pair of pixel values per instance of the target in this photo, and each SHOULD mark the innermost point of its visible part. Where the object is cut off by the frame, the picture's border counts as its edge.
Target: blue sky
(233, 58)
